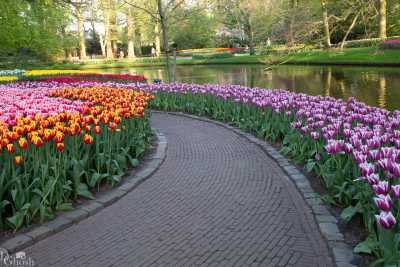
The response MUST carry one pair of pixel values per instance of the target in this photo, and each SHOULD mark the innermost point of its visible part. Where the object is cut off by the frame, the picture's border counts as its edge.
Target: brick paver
(217, 200)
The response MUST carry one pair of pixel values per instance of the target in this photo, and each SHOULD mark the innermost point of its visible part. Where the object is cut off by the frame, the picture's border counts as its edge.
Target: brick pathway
(217, 200)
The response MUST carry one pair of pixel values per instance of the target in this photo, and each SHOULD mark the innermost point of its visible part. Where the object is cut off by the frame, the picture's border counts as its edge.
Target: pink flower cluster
(29, 99)
(391, 42)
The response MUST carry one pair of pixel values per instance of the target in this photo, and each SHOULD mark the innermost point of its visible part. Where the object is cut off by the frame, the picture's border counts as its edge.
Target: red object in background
(91, 77)
(127, 77)
(65, 79)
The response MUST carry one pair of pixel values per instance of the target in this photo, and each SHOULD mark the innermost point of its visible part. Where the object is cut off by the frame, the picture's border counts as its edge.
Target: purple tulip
(397, 143)
(385, 219)
(395, 170)
(373, 143)
(366, 168)
(375, 154)
(372, 179)
(314, 135)
(360, 157)
(381, 188)
(383, 202)
(385, 164)
(347, 133)
(296, 125)
(348, 148)
(387, 152)
(331, 147)
(396, 191)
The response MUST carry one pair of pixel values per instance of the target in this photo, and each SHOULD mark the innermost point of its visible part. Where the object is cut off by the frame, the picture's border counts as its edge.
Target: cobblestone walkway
(217, 200)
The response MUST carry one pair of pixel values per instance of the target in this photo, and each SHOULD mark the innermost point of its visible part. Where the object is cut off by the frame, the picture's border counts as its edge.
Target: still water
(375, 86)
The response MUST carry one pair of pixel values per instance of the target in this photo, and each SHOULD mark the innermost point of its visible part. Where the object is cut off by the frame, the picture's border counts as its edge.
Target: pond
(376, 86)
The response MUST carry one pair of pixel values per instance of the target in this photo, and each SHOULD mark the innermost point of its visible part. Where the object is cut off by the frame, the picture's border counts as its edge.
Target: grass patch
(350, 56)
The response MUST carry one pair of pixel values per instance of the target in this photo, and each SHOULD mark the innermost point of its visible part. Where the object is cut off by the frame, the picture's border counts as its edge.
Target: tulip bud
(385, 219)
(396, 191)
(23, 143)
(87, 139)
(383, 202)
(10, 148)
(60, 147)
(18, 160)
(97, 129)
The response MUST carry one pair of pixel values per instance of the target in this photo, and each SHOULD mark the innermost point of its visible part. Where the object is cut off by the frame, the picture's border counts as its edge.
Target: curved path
(217, 200)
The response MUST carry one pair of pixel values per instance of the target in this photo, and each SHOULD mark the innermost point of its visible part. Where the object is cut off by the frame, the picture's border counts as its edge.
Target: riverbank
(352, 56)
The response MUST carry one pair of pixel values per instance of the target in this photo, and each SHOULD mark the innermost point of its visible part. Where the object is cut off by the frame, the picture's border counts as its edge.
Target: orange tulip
(87, 139)
(23, 143)
(59, 137)
(37, 141)
(60, 147)
(5, 142)
(113, 126)
(10, 148)
(97, 129)
(18, 160)
(117, 120)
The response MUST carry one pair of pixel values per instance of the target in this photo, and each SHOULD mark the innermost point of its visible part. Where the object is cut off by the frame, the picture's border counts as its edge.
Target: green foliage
(48, 181)
(196, 30)
(33, 29)
(335, 171)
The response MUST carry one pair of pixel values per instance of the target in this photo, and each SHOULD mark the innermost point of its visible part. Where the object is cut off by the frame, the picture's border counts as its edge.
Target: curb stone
(342, 253)
(67, 219)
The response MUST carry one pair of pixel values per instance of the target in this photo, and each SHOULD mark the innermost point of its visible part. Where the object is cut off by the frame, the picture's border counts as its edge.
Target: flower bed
(4, 79)
(15, 72)
(60, 141)
(66, 76)
(353, 147)
(391, 44)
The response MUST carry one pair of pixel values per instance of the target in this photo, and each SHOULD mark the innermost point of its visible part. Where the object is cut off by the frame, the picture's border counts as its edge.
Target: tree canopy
(112, 28)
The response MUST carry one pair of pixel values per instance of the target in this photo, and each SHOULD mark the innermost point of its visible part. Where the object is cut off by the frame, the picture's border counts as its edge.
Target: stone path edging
(66, 219)
(342, 253)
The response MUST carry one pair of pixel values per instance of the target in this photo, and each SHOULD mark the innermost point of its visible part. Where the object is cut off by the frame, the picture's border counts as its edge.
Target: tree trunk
(353, 23)
(115, 47)
(382, 19)
(157, 39)
(102, 45)
(248, 29)
(81, 31)
(131, 33)
(327, 35)
(107, 37)
(293, 5)
(164, 28)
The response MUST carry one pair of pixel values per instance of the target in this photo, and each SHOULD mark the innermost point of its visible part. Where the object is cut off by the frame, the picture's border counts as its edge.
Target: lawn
(350, 56)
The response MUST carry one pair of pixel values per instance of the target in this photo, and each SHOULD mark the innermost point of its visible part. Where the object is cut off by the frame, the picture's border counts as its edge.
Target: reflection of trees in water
(382, 91)
(327, 77)
(374, 86)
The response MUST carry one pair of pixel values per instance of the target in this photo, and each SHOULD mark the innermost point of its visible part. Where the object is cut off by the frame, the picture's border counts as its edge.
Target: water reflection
(376, 86)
